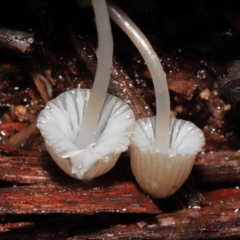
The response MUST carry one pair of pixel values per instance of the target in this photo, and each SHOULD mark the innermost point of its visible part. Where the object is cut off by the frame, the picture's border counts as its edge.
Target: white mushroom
(162, 151)
(85, 131)
(59, 124)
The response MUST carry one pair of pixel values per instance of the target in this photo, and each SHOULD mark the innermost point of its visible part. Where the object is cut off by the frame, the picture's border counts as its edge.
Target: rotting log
(220, 167)
(59, 193)
(206, 223)
(218, 219)
(80, 198)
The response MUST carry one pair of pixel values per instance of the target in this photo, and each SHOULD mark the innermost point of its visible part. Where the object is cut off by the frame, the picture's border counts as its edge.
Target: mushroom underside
(59, 124)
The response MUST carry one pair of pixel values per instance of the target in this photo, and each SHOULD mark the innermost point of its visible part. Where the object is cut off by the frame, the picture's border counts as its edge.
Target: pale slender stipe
(156, 71)
(88, 130)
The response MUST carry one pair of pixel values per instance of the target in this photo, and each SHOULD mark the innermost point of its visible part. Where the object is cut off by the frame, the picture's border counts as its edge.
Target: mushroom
(162, 150)
(84, 130)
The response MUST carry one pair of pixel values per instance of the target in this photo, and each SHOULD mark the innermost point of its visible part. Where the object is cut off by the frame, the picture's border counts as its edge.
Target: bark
(220, 167)
(62, 194)
(219, 219)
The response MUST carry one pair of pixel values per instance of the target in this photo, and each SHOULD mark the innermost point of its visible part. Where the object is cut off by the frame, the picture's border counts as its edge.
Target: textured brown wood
(62, 194)
(212, 222)
(26, 170)
(23, 136)
(217, 167)
(183, 87)
(219, 219)
(38, 167)
(13, 151)
(217, 230)
(81, 198)
(228, 198)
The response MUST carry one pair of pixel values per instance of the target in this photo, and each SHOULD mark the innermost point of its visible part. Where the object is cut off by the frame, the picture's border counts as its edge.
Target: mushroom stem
(88, 128)
(159, 77)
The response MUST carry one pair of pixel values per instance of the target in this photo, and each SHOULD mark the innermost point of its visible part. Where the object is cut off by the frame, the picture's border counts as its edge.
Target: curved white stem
(88, 129)
(156, 71)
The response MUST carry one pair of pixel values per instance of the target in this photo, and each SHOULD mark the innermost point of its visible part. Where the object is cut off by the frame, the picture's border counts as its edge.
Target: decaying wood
(13, 151)
(16, 39)
(13, 126)
(29, 169)
(59, 193)
(22, 136)
(179, 82)
(10, 128)
(217, 220)
(37, 167)
(5, 227)
(186, 224)
(183, 87)
(9, 100)
(41, 169)
(81, 198)
(218, 167)
(43, 85)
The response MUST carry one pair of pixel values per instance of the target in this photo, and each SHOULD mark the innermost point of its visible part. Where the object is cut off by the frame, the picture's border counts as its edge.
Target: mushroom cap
(160, 174)
(59, 124)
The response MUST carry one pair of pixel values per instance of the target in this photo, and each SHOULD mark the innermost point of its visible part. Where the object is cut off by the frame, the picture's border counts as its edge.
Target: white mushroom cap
(160, 174)
(59, 124)
(162, 154)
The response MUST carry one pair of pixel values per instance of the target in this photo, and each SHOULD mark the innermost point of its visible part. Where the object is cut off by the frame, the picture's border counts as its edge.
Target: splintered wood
(52, 191)
(77, 198)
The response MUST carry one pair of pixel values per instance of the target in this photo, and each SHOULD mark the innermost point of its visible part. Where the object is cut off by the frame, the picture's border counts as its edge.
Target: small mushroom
(85, 131)
(59, 124)
(162, 151)
(161, 173)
